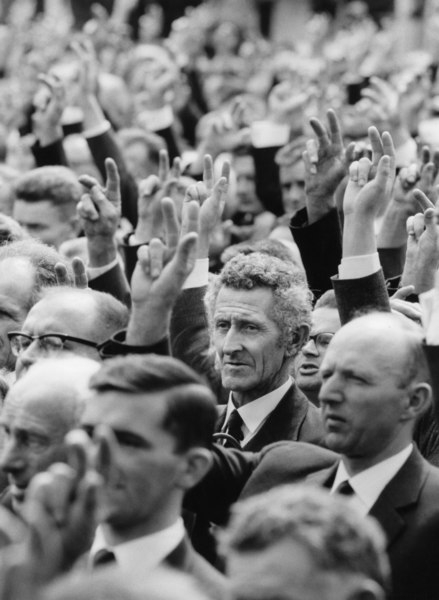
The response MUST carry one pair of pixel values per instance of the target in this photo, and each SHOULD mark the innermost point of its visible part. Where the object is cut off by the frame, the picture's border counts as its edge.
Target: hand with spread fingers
(80, 279)
(325, 166)
(100, 210)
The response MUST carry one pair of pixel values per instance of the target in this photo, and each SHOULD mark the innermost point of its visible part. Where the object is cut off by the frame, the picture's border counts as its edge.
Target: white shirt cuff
(97, 130)
(95, 272)
(267, 134)
(199, 276)
(355, 267)
(155, 120)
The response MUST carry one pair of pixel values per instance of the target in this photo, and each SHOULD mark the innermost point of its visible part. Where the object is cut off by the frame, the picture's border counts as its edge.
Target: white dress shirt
(255, 413)
(140, 556)
(369, 484)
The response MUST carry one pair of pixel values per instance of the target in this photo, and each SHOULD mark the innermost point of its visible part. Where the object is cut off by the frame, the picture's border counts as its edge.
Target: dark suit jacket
(294, 418)
(404, 507)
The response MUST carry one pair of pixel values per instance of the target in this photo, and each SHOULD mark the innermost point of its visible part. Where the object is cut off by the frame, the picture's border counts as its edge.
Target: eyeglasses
(321, 340)
(48, 342)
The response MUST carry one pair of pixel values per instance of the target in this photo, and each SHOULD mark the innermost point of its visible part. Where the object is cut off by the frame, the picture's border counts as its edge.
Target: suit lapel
(401, 492)
(221, 417)
(283, 423)
(324, 478)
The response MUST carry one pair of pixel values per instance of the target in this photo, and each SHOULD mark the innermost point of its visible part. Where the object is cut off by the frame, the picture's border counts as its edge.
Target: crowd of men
(219, 304)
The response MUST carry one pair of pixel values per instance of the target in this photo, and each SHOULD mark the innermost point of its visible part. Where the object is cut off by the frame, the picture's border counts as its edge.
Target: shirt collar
(255, 412)
(369, 484)
(144, 553)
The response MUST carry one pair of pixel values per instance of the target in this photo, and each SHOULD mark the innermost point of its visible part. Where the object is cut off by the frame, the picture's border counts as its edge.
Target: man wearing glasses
(325, 323)
(67, 319)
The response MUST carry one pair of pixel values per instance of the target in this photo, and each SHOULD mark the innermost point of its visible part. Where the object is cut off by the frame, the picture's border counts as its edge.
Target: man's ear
(196, 465)
(297, 340)
(366, 589)
(419, 398)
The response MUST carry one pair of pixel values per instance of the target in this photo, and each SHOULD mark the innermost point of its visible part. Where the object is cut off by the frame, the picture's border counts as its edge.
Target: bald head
(39, 410)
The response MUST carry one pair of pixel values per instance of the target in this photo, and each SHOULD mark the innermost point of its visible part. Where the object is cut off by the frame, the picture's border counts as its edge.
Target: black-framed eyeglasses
(321, 340)
(48, 342)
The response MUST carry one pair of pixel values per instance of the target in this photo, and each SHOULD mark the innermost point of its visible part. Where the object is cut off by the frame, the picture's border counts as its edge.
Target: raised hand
(80, 279)
(325, 166)
(49, 104)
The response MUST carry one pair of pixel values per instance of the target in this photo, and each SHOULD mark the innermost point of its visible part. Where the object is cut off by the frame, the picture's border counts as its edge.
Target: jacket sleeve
(113, 282)
(53, 154)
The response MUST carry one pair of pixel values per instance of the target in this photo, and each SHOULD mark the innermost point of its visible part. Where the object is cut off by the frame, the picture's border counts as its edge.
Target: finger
(78, 452)
(86, 208)
(418, 225)
(87, 181)
(321, 133)
(335, 130)
(79, 273)
(176, 168)
(377, 145)
(389, 150)
(225, 170)
(422, 199)
(149, 186)
(163, 166)
(171, 224)
(350, 152)
(220, 194)
(99, 199)
(112, 183)
(410, 227)
(156, 257)
(403, 292)
(313, 155)
(190, 218)
(208, 177)
(185, 257)
(430, 222)
(436, 162)
(354, 171)
(63, 479)
(384, 172)
(61, 274)
(425, 155)
(364, 166)
(427, 175)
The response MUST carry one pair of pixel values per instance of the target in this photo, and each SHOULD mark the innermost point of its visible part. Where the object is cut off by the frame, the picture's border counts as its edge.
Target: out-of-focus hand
(49, 103)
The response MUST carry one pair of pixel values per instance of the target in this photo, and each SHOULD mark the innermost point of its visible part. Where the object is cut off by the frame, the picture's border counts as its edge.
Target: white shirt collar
(139, 556)
(369, 484)
(256, 412)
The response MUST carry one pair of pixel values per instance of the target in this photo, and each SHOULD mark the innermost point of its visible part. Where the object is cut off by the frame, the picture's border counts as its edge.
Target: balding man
(38, 412)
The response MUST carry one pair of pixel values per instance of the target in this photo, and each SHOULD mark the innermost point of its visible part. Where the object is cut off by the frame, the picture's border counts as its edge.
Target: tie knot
(234, 425)
(345, 489)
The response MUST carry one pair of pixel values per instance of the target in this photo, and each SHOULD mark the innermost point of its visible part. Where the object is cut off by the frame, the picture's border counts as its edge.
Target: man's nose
(331, 390)
(232, 342)
(28, 357)
(310, 348)
(12, 458)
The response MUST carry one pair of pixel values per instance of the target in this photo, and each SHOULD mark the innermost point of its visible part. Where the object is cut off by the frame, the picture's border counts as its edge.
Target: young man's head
(162, 417)
(260, 311)
(301, 543)
(45, 204)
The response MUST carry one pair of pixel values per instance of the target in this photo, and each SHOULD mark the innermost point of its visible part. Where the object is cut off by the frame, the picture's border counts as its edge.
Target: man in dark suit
(157, 418)
(259, 310)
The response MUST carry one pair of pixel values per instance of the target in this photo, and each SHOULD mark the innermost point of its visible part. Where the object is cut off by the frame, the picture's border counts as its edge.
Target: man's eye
(250, 328)
(221, 325)
(129, 441)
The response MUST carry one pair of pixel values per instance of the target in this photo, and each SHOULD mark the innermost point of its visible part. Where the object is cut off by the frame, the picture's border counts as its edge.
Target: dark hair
(56, 184)
(43, 258)
(190, 406)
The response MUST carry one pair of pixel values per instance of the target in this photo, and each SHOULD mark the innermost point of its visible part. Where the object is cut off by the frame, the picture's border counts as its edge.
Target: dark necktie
(103, 558)
(345, 489)
(234, 426)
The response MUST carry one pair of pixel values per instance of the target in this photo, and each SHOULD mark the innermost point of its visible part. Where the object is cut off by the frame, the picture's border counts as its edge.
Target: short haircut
(190, 413)
(111, 314)
(152, 142)
(269, 246)
(337, 536)
(291, 296)
(327, 300)
(57, 184)
(43, 258)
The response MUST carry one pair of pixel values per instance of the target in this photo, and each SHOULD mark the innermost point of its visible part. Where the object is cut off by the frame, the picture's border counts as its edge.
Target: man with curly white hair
(259, 310)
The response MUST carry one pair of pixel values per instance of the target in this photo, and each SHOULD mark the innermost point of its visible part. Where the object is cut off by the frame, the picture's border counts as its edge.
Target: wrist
(101, 251)
(318, 207)
(50, 135)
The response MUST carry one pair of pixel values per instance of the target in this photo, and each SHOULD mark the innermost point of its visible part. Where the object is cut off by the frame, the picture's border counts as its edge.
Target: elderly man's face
(286, 570)
(248, 343)
(74, 316)
(146, 467)
(363, 399)
(45, 221)
(34, 420)
(16, 286)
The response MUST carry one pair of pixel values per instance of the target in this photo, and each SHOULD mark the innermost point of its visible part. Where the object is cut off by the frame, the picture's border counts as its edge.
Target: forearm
(393, 232)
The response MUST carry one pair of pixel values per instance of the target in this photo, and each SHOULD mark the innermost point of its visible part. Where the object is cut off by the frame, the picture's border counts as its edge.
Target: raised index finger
(208, 177)
(321, 133)
(113, 181)
(422, 199)
(335, 130)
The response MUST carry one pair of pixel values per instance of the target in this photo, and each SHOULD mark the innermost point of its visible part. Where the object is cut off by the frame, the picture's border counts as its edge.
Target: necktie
(103, 557)
(345, 489)
(234, 426)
